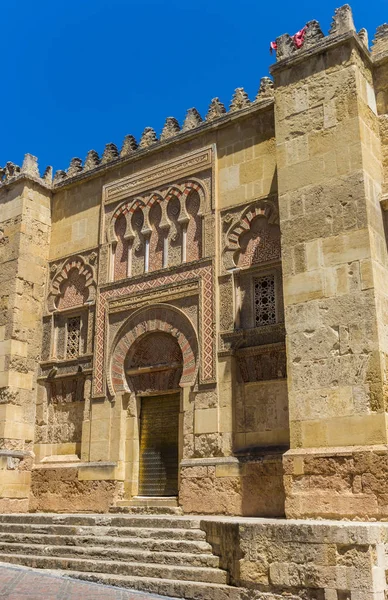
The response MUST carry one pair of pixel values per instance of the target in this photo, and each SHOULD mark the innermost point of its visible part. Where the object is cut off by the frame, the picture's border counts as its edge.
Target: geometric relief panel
(202, 273)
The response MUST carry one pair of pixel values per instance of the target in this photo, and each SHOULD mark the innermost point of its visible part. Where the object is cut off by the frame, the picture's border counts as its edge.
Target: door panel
(159, 433)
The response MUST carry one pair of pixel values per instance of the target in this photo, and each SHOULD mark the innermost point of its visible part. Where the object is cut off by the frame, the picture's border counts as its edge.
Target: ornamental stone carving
(251, 236)
(160, 319)
(73, 282)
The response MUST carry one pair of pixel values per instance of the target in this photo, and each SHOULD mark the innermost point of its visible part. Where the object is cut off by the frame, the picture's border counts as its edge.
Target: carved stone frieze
(195, 162)
(169, 293)
(156, 284)
(261, 363)
(251, 235)
(72, 281)
(55, 369)
(230, 341)
(226, 302)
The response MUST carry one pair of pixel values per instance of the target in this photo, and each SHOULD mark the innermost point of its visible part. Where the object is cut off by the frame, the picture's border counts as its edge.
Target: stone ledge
(74, 465)
(16, 453)
(329, 42)
(337, 451)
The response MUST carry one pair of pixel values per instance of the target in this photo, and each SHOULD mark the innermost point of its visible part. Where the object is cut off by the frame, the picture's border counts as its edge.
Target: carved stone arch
(84, 270)
(196, 185)
(265, 209)
(127, 209)
(177, 191)
(158, 198)
(162, 318)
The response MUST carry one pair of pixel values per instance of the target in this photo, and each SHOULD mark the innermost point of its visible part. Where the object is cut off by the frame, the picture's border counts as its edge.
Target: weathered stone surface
(216, 110)
(129, 146)
(110, 153)
(92, 160)
(170, 129)
(240, 100)
(75, 167)
(193, 119)
(243, 267)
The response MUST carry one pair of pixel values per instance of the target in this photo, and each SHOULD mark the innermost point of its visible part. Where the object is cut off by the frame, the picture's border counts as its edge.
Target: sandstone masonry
(201, 320)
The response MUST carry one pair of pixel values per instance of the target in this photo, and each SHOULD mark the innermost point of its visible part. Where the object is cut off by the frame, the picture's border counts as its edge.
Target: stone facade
(239, 262)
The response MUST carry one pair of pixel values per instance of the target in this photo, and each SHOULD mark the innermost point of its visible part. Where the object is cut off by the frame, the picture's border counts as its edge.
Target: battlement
(286, 46)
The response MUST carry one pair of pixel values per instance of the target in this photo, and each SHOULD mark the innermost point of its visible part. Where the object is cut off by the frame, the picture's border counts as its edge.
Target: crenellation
(110, 153)
(11, 170)
(285, 47)
(313, 34)
(216, 110)
(30, 166)
(239, 100)
(48, 175)
(75, 167)
(92, 160)
(380, 42)
(59, 176)
(129, 146)
(266, 89)
(342, 21)
(193, 119)
(363, 36)
(170, 129)
(148, 138)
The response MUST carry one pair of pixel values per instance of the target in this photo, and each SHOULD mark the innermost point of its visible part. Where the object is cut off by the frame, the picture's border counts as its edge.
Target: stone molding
(162, 318)
(59, 271)
(171, 292)
(159, 175)
(230, 341)
(202, 272)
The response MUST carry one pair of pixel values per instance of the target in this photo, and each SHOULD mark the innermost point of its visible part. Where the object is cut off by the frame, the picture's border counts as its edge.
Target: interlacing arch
(181, 227)
(245, 224)
(179, 191)
(83, 270)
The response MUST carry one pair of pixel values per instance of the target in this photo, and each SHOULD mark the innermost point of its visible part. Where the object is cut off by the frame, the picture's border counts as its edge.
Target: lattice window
(265, 300)
(73, 337)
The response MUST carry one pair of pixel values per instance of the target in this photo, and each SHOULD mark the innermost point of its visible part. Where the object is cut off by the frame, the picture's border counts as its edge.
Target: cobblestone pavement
(18, 583)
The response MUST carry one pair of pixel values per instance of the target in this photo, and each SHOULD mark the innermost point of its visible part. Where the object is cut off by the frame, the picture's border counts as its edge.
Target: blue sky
(78, 74)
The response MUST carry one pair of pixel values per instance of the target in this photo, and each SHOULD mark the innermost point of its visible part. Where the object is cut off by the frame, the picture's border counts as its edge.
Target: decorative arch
(127, 209)
(180, 191)
(62, 276)
(160, 318)
(244, 227)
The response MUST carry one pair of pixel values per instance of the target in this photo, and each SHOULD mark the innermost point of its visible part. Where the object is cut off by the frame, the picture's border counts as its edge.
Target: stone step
(146, 570)
(158, 521)
(131, 543)
(90, 530)
(192, 590)
(129, 509)
(114, 554)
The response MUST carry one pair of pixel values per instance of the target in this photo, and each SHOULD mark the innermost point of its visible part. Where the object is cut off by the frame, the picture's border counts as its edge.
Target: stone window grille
(73, 337)
(264, 300)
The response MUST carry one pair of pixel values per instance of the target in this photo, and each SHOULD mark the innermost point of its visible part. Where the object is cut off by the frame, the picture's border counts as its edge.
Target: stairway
(166, 555)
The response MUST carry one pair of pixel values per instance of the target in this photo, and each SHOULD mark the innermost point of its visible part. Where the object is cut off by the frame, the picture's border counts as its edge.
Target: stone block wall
(232, 486)
(25, 222)
(312, 560)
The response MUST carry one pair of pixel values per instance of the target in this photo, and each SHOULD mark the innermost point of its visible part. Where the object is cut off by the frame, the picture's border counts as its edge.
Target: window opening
(265, 301)
(73, 337)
